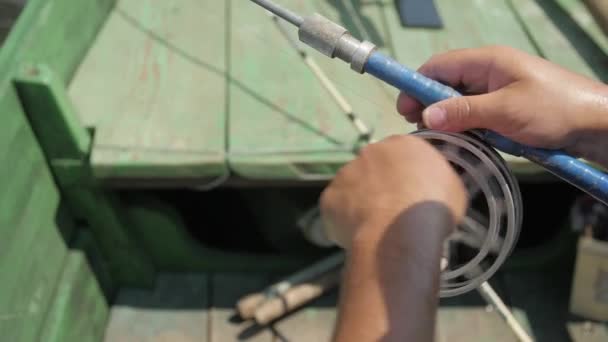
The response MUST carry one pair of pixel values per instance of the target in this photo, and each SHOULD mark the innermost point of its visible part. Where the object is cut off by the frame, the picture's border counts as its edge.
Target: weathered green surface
(79, 309)
(153, 87)
(565, 33)
(44, 28)
(41, 91)
(101, 210)
(63, 139)
(32, 248)
(176, 310)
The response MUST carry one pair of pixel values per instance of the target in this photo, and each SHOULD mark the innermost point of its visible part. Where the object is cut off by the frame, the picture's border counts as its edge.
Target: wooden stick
(296, 297)
(247, 305)
(488, 293)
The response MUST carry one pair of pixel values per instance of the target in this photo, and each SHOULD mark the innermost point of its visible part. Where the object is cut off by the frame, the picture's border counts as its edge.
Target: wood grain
(153, 86)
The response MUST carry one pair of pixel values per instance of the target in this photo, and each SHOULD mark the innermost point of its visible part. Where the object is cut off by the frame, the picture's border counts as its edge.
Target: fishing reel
(487, 235)
(489, 232)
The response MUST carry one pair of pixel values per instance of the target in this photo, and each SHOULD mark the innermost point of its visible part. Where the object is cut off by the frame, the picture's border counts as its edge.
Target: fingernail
(434, 117)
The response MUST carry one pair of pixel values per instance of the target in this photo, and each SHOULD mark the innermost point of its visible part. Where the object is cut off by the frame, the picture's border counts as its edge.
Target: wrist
(420, 228)
(590, 130)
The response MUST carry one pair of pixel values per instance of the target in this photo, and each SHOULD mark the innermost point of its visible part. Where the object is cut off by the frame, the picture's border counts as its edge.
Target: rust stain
(143, 76)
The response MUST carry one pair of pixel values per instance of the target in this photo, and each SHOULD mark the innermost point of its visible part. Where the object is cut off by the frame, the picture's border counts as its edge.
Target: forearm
(390, 288)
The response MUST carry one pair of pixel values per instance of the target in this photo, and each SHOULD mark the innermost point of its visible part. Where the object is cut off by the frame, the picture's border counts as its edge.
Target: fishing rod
(474, 154)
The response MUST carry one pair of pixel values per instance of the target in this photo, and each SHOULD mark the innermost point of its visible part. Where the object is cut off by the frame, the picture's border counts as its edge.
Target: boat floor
(200, 307)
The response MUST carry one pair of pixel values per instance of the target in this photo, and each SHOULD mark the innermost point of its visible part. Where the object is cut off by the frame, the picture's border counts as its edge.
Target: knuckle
(461, 112)
(500, 50)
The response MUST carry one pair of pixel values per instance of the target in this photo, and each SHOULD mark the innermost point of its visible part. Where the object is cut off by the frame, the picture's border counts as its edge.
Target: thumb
(463, 113)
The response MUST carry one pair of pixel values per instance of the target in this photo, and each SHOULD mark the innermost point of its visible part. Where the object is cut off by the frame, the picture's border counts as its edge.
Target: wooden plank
(176, 310)
(27, 163)
(158, 106)
(227, 289)
(12, 127)
(64, 140)
(34, 258)
(47, 25)
(566, 34)
(79, 309)
(32, 252)
(51, 114)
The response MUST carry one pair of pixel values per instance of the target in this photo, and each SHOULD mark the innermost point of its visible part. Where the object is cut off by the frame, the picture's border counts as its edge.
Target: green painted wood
(32, 247)
(79, 309)
(85, 242)
(176, 310)
(101, 210)
(64, 139)
(25, 158)
(566, 34)
(56, 125)
(158, 107)
(227, 289)
(46, 26)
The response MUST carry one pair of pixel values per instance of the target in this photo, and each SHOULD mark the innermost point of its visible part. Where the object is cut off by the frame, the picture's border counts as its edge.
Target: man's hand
(392, 209)
(387, 178)
(523, 97)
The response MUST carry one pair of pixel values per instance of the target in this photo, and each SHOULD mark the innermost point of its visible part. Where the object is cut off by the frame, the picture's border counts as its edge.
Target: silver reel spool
(489, 232)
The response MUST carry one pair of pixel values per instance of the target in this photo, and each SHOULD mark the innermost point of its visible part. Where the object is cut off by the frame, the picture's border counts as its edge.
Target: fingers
(467, 112)
(475, 71)
(467, 68)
